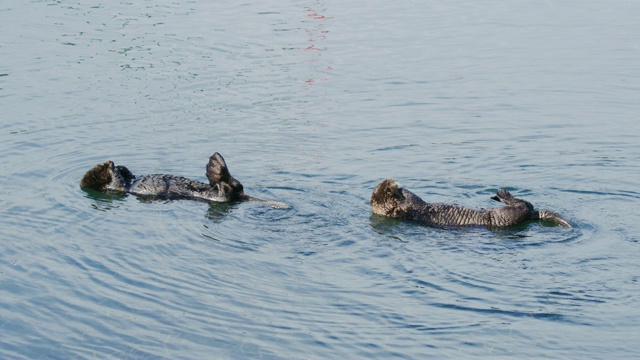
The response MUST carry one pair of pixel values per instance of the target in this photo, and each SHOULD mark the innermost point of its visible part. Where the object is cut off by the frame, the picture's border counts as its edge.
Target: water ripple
(313, 103)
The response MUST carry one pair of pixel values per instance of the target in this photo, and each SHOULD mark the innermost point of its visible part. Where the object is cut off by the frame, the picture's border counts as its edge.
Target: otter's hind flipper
(219, 176)
(217, 170)
(504, 196)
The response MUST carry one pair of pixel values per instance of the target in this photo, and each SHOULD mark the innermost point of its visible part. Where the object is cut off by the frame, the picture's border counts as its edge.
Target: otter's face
(98, 177)
(386, 199)
(106, 176)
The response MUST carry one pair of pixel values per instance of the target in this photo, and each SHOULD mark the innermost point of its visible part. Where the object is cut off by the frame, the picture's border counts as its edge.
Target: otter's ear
(97, 177)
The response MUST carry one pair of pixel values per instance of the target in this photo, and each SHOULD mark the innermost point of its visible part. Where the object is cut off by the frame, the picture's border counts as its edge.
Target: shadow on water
(105, 201)
(529, 233)
(217, 211)
(384, 223)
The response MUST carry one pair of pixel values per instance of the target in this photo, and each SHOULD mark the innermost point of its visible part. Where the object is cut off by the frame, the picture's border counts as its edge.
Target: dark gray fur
(388, 199)
(222, 186)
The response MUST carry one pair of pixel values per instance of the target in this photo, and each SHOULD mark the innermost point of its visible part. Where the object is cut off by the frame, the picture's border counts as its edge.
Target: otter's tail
(551, 216)
(271, 203)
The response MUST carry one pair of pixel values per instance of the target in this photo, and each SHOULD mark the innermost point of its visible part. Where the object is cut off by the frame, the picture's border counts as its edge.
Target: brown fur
(222, 187)
(389, 200)
(97, 177)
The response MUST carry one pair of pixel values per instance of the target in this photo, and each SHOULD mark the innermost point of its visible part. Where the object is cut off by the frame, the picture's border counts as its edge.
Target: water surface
(313, 103)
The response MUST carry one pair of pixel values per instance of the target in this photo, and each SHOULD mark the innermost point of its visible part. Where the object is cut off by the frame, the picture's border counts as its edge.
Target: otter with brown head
(222, 186)
(389, 200)
(107, 177)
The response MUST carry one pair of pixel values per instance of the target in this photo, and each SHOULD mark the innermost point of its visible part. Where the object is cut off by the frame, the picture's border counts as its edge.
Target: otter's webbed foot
(220, 178)
(217, 170)
(503, 196)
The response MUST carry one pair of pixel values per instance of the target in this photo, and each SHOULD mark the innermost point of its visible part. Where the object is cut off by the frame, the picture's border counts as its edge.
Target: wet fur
(222, 186)
(388, 199)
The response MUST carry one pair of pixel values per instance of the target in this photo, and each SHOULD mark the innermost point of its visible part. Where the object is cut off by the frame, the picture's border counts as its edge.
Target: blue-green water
(313, 103)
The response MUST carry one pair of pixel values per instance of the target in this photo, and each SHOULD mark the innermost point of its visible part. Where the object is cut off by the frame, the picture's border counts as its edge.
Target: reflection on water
(313, 103)
(318, 34)
(104, 201)
(217, 211)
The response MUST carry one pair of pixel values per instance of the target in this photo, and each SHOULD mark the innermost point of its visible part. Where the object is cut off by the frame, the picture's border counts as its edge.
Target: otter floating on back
(388, 199)
(222, 186)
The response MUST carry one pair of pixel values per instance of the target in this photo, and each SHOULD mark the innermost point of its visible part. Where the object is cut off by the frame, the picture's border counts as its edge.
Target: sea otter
(388, 199)
(222, 186)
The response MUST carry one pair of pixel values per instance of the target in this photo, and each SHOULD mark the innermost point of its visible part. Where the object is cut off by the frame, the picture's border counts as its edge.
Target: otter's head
(387, 198)
(107, 177)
